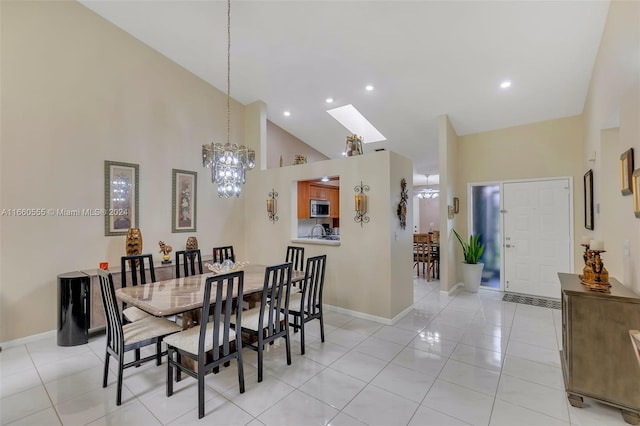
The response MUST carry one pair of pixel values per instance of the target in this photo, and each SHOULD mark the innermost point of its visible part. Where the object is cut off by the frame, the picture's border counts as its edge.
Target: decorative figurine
(354, 145)
(165, 249)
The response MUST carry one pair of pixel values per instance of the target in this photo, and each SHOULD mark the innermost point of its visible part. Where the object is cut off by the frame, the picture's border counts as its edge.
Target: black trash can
(74, 290)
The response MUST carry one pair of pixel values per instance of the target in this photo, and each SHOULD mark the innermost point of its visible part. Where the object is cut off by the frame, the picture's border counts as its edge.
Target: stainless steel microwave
(319, 208)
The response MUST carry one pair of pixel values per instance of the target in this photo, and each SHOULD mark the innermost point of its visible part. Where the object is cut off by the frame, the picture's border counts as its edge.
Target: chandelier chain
(228, 71)
(228, 162)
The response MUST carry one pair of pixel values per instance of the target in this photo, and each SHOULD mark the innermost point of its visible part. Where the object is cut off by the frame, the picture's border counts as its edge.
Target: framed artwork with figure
(626, 172)
(120, 197)
(588, 200)
(183, 204)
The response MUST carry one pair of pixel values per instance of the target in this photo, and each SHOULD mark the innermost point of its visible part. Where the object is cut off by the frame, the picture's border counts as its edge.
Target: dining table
(185, 294)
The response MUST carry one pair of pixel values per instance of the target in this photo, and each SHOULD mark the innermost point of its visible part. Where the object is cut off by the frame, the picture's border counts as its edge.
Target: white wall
(614, 94)
(450, 255)
(371, 271)
(550, 148)
(77, 91)
(283, 144)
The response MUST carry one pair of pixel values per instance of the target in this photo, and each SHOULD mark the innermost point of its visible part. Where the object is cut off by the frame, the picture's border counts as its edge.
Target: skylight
(355, 122)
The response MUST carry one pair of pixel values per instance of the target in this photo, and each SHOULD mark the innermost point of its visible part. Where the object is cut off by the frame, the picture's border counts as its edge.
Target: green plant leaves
(473, 249)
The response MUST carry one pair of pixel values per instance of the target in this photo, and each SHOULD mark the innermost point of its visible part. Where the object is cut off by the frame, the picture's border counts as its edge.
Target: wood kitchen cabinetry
(318, 192)
(597, 356)
(303, 200)
(334, 200)
(308, 190)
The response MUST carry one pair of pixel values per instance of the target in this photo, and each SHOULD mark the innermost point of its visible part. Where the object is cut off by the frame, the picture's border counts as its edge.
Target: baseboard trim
(452, 289)
(362, 315)
(29, 339)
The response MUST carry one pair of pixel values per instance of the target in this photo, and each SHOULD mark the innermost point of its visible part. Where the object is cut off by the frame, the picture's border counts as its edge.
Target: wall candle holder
(361, 203)
(272, 206)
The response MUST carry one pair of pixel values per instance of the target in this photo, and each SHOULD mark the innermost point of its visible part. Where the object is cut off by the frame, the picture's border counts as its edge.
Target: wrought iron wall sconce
(361, 203)
(272, 206)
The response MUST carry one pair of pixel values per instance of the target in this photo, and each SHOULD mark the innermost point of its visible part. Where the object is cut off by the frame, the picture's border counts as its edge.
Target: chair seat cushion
(251, 318)
(134, 314)
(148, 328)
(294, 302)
(188, 339)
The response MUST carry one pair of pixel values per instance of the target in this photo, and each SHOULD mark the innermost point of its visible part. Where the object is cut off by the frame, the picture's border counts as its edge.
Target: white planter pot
(471, 276)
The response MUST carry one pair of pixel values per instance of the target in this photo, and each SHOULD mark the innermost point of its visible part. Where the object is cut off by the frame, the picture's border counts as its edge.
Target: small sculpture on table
(596, 276)
(165, 249)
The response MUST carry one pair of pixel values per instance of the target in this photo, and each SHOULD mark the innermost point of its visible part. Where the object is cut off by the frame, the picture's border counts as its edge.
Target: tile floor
(453, 360)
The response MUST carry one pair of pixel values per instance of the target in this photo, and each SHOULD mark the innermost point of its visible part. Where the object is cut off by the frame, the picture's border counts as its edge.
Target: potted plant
(471, 268)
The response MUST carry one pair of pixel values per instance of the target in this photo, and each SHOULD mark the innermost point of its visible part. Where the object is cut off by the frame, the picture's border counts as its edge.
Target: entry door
(537, 236)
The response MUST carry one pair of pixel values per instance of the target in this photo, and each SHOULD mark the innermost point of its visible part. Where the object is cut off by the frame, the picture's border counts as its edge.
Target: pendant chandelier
(428, 192)
(228, 162)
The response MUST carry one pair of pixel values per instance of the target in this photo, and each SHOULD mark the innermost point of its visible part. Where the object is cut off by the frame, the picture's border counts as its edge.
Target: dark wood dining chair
(214, 342)
(122, 338)
(133, 270)
(434, 259)
(422, 254)
(222, 253)
(307, 305)
(188, 262)
(264, 324)
(295, 255)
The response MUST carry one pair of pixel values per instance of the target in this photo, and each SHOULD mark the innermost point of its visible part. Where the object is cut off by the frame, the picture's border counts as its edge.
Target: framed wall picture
(635, 185)
(588, 200)
(183, 200)
(626, 170)
(120, 197)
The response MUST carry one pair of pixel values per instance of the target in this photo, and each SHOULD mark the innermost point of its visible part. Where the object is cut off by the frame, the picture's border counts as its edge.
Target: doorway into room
(526, 227)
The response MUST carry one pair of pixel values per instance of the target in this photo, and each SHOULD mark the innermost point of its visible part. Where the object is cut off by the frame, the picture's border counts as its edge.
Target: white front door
(537, 236)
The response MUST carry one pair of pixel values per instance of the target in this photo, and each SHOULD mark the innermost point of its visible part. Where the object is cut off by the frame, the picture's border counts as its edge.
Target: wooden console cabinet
(597, 356)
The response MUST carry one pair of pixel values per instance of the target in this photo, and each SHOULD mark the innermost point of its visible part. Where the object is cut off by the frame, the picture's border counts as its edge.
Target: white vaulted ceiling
(424, 59)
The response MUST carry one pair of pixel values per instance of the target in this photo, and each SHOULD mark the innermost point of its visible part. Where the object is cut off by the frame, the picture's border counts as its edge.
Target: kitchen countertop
(315, 240)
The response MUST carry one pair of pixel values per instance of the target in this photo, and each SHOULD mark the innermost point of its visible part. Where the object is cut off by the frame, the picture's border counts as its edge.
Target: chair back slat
(115, 336)
(188, 262)
(314, 284)
(275, 298)
(227, 287)
(295, 255)
(138, 265)
(222, 253)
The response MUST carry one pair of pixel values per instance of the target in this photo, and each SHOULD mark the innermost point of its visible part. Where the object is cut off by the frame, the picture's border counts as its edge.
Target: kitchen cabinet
(303, 200)
(318, 192)
(597, 355)
(308, 190)
(334, 200)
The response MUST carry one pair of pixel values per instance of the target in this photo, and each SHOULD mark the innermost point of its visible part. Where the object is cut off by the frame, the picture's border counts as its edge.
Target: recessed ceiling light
(368, 87)
(355, 122)
(329, 100)
(287, 113)
(505, 84)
